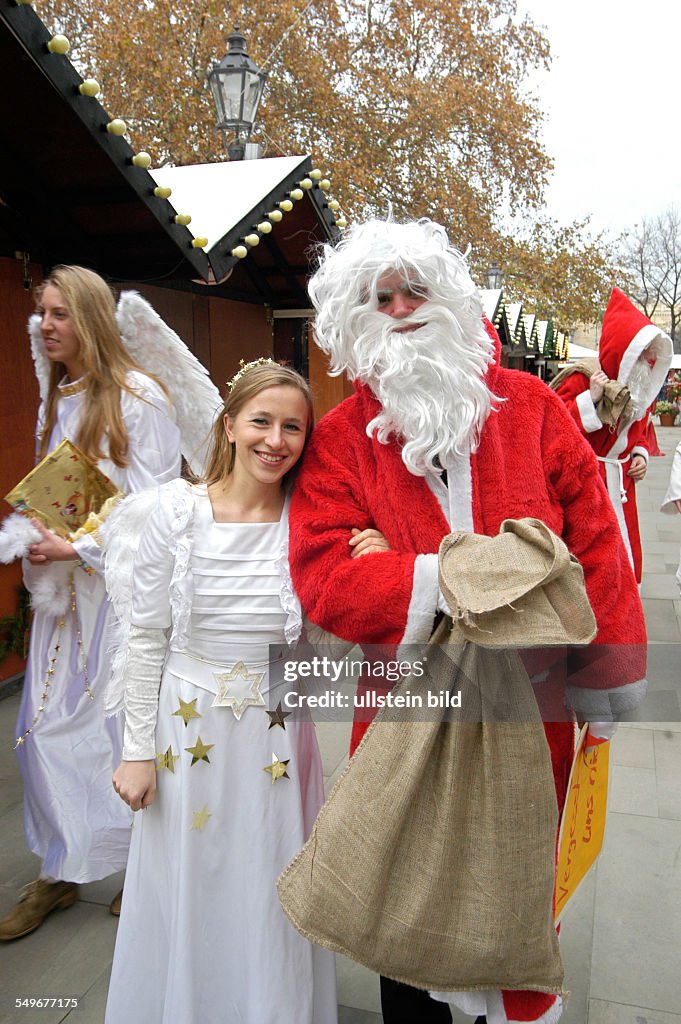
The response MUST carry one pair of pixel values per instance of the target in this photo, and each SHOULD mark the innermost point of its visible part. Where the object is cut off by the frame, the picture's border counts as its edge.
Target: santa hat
(625, 334)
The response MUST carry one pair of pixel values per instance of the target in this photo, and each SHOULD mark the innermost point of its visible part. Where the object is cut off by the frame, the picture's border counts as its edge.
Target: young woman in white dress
(229, 786)
(121, 417)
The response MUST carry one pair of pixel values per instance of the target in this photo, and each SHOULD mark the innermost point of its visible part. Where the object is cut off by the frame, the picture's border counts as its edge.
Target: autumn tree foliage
(421, 106)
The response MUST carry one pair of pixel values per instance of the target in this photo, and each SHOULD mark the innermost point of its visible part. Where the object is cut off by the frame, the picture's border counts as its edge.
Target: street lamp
(494, 276)
(237, 85)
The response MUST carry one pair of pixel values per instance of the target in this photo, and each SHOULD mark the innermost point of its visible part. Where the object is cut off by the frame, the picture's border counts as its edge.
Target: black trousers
(402, 1004)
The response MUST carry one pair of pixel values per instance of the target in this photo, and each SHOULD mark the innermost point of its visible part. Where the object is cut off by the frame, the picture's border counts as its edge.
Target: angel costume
(73, 819)
(202, 938)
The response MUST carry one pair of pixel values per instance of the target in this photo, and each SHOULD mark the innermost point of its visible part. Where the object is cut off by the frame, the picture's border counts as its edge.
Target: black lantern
(237, 85)
(494, 275)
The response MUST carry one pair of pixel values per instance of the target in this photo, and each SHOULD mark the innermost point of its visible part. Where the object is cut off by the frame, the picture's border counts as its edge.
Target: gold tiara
(245, 367)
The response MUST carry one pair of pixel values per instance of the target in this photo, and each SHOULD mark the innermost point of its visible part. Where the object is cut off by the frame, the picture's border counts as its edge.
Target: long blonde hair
(222, 452)
(91, 307)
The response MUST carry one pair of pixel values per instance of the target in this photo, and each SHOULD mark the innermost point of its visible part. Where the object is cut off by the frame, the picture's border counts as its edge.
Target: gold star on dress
(199, 751)
(277, 716)
(238, 689)
(187, 710)
(200, 819)
(166, 760)
(277, 769)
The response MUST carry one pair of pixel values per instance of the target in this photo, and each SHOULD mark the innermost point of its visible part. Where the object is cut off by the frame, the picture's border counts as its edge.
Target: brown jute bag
(432, 862)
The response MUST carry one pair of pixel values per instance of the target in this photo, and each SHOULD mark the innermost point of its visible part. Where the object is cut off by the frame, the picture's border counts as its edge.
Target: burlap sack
(616, 396)
(432, 862)
(520, 588)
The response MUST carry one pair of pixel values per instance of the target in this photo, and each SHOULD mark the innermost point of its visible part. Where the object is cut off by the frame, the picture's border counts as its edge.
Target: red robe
(531, 461)
(626, 332)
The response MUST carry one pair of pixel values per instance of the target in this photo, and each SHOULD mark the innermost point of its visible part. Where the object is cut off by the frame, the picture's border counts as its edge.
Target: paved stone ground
(621, 937)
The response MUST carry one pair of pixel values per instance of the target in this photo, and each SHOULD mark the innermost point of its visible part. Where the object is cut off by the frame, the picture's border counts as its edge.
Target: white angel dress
(202, 938)
(673, 495)
(73, 819)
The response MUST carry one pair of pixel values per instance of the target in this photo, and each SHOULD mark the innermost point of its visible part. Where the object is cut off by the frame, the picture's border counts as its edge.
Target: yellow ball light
(252, 239)
(240, 252)
(142, 160)
(325, 184)
(334, 205)
(199, 243)
(183, 219)
(117, 127)
(275, 215)
(341, 222)
(163, 192)
(306, 183)
(296, 193)
(90, 87)
(315, 174)
(59, 44)
(286, 205)
(264, 227)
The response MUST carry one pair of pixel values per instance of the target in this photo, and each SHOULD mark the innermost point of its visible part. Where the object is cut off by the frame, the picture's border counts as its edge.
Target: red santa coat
(531, 461)
(625, 334)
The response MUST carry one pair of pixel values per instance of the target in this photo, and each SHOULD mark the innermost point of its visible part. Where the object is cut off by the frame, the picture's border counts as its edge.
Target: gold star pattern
(277, 716)
(187, 710)
(199, 751)
(166, 760)
(238, 689)
(200, 819)
(277, 769)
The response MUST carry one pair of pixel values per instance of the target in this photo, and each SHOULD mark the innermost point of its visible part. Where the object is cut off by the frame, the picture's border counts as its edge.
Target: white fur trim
(16, 535)
(638, 343)
(587, 412)
(49, 587)
(643, 452)
(424, 598)
(604, 704)
(490, 1003)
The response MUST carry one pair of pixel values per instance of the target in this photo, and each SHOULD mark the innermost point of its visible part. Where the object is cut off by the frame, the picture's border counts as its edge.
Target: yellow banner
(583, 823)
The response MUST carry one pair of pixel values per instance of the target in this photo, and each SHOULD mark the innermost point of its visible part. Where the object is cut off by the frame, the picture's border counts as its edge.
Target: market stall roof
(70, 192)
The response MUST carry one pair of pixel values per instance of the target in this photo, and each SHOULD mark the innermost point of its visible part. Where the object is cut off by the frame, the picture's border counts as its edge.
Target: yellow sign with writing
(583, 823)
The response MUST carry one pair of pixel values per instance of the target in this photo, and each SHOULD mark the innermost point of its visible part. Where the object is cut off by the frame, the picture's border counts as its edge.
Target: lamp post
(494, 276)
(237, 85)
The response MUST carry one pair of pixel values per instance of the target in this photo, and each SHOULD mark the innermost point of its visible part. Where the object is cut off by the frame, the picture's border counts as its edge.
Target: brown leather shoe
(36, 901)
(115, 905)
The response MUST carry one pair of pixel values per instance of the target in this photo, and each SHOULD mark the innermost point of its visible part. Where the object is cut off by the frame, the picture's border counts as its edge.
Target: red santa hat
(626, 333)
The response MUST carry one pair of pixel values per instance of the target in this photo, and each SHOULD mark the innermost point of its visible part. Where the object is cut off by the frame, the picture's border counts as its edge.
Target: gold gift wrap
(63, 491)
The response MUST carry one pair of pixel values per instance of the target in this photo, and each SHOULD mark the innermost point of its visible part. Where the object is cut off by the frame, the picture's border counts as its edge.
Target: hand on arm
(367, 542)
(135, 783)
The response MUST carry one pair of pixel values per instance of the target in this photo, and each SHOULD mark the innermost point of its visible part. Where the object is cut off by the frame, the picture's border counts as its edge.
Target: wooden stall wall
(18, 410)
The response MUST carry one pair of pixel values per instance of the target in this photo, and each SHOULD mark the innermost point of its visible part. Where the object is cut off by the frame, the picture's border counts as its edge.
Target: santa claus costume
(626, 334)
(529, 461)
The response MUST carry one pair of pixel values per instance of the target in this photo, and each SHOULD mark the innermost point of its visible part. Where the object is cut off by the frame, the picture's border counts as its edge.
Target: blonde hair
(91, 307)
(222, 452)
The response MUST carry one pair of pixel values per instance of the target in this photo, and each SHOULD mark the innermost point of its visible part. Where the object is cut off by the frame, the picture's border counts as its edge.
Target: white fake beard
(429, 381)
(639, 384)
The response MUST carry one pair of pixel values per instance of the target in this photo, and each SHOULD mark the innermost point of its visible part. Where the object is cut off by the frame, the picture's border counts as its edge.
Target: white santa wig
(429, 380)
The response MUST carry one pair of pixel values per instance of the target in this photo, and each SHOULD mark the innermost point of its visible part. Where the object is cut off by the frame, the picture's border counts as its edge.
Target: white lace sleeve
(144, 667)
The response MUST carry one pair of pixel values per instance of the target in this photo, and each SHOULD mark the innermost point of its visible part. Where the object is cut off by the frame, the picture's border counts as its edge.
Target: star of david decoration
(277, 769)
(277, 716)
(238, 689)
(199, 751)
(187, 710)
(166, 760)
